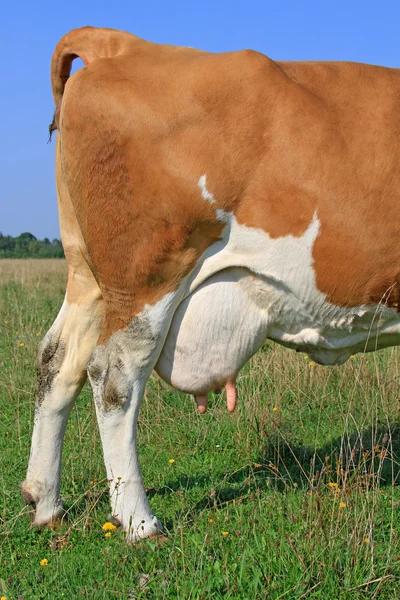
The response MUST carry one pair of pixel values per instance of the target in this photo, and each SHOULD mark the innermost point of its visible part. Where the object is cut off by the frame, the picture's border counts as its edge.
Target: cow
(208, 202)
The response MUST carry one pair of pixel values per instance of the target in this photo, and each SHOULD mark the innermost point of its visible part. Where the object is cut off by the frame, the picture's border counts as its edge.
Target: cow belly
(214, 332)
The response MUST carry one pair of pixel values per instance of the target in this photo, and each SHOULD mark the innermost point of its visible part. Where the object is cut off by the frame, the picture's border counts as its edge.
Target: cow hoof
(45, 511)
(52, 519)
(146, 529)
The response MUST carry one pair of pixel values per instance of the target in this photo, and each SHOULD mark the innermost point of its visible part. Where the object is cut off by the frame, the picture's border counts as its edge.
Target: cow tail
(86, 43)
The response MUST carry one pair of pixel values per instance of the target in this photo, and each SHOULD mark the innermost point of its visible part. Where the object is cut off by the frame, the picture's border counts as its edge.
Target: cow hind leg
(118, 371)
(62, 360)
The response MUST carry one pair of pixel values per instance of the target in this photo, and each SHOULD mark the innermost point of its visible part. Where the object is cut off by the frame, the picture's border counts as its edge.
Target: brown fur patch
(385, 291)
(161, 243)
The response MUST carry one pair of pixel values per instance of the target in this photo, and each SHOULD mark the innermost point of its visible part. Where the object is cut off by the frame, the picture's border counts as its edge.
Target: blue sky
(328, 30)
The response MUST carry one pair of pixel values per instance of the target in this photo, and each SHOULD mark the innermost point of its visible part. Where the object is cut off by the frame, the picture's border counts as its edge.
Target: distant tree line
(27, 245)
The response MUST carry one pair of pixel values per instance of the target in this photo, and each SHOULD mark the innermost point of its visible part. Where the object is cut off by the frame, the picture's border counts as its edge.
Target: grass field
(296, 495)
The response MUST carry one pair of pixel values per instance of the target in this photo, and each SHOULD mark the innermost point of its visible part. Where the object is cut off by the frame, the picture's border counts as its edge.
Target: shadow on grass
(365, 460)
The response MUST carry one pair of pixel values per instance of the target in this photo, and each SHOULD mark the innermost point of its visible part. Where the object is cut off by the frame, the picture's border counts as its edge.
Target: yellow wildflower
(21, 344)
(38, 333)
(107, 534)
(332, 484)
(275, 408)
(210, 520)
(225, 533)
(109, 526)
(352, 357)
(3, 598)
(305, 357)
(342, 505)
(171, 461)
(44, 562)
(366, 541)
(312, 364)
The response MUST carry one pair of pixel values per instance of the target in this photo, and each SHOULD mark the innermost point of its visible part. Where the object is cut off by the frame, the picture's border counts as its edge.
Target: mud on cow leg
(61, 364)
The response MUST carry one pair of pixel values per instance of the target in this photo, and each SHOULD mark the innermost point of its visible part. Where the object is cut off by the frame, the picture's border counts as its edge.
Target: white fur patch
(204, 192)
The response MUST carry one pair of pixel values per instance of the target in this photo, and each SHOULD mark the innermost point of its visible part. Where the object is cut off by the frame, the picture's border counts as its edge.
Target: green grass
(303, 478)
